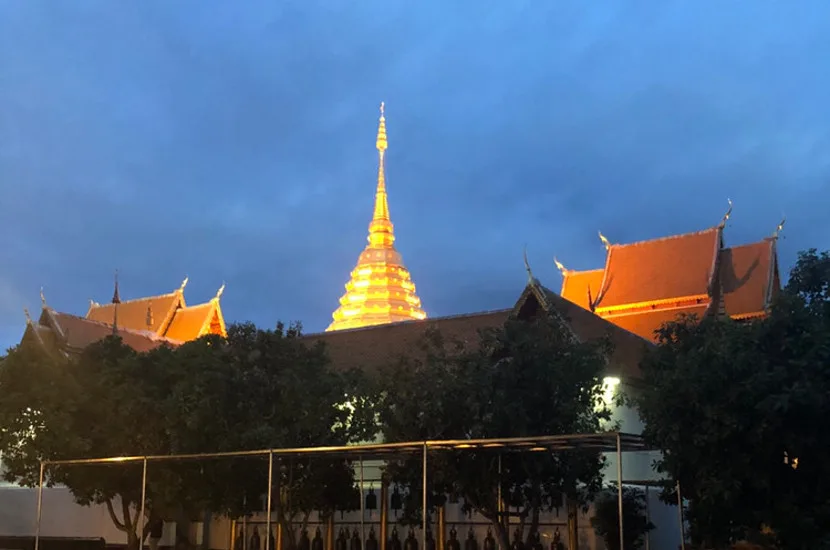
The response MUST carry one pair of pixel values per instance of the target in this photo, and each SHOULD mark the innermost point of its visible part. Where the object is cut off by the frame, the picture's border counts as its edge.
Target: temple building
(646, 284)
(380, 289)
(142, 323)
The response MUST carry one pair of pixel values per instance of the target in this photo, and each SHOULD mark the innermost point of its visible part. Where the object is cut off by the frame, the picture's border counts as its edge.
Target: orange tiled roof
(191, 322)
(132, 314)
(78, 332)
(578, 285)
(646, 323)
(662, 269)
(747, 276)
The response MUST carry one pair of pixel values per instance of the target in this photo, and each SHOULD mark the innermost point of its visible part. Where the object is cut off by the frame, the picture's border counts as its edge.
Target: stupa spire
(381, 230)
(380, 289)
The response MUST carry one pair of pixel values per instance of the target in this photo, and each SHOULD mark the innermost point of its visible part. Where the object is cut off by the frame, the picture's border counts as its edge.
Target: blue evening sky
(234, 141)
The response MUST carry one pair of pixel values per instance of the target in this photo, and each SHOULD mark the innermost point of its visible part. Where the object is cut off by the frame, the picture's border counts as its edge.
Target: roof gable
(747, 276)
(585, 325)
(189, 323)
(659, 270)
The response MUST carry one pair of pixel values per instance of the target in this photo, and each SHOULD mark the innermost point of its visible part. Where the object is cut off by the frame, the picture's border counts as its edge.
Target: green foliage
(254, 390)
(733, 404)
(527, 379)
(635, 519)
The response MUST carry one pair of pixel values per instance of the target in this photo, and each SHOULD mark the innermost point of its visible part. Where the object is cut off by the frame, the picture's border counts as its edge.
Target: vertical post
(384, 511)
(139, 528)
(682, 525)
(648, 519)
(362, 508)
(39, 506)
(330, 531)
(442, 527)
(620, 489)
(424, 503)
(268, 500)
(245, 522)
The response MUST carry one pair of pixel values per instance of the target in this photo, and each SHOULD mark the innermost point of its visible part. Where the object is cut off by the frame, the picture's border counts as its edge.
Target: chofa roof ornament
(727, 215)
(605, 242)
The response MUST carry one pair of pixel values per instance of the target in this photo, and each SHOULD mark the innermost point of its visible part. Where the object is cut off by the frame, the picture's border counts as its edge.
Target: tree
(734, 407)
(100, 403)
(606, 520)
(526, 379)
(267, 389)
(254, 390)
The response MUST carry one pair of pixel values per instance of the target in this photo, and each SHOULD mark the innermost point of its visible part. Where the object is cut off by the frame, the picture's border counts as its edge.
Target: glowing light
(609, 389)
(380, 289)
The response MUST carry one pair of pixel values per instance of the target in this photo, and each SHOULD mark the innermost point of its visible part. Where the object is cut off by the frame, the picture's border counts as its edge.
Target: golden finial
(28, 317)
(605, 242)
(779, 228)
(184, 284)
(381, 142)
(220, 291)
(562, 269)
(42, 298)
(727, 215)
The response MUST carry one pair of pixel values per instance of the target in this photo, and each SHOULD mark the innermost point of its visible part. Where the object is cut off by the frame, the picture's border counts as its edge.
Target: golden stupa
(380, 289)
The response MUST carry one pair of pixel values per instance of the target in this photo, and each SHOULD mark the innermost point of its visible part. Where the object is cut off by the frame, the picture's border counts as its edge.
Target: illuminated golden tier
(380, 289)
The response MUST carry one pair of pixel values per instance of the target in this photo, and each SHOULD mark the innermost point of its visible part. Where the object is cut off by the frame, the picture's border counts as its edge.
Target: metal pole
(682, 525)
(39, 506)
(140, 527)
(620, 490)
(268, 502)
(424, 503)
(362, 507)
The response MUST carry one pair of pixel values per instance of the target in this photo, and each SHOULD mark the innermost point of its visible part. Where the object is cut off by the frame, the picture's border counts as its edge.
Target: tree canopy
(526, 379)
(257, 389)
(740, 409)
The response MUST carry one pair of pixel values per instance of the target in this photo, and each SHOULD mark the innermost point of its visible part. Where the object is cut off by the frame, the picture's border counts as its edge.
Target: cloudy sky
(234, 141)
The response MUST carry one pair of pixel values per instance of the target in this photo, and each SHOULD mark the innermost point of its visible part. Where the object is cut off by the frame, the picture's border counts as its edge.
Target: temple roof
(646, 284)
(380, 289)
(652, 271)
(749, 278)
(73, 333)
(165, 315)
(133, 313)
(580, 286)
(376, 347)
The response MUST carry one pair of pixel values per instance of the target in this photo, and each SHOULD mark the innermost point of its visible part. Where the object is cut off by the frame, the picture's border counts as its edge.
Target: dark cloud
(235, 142)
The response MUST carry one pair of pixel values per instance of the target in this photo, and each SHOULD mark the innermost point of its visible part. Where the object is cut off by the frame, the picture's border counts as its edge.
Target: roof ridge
(138, 299)
(408, 322)
(667, 238)
(570, 272)
(765, 240)
(209, 303)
